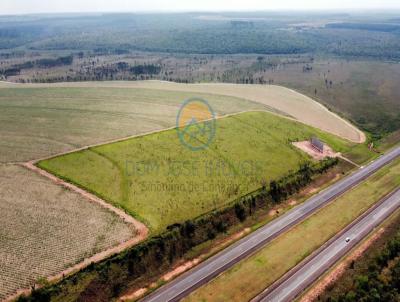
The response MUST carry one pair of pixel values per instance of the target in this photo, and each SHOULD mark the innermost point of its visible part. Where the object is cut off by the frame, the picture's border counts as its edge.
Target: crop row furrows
(44, 229)
(21, 270)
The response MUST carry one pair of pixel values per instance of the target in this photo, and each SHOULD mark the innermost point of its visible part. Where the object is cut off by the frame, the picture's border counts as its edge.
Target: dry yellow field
(278, 98)
(297, 105)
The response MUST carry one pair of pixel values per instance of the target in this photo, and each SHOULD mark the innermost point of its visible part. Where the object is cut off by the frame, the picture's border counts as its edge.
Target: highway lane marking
(271, 230)
(367, 224)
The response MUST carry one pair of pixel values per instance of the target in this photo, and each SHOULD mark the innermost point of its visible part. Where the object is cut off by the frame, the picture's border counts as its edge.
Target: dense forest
(320, 55)
(262, 33)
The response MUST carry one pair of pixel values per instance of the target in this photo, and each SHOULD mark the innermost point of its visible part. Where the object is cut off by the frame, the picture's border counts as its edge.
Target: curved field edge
(280, 98)
(261, 138)
(293, 103)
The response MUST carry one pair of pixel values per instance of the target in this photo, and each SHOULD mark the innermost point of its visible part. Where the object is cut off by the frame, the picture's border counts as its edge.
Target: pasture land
(251, 276)
(45, 229)
(39, 122)
(160, 181)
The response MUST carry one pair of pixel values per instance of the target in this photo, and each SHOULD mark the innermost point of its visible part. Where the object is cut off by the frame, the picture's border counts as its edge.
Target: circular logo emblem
(195, 124)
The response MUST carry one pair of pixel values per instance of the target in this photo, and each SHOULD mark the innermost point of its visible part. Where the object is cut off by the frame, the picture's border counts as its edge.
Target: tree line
(41, 63)
(148, 260)
(381, 281)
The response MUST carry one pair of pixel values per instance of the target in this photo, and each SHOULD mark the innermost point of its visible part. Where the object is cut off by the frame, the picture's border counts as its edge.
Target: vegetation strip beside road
(374, 274)
(332, 279)
(251, 276)
(332, 251)
(155, 255)
(254, 242)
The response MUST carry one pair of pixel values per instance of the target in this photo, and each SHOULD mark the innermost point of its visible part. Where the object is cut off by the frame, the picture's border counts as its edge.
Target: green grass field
(160, 181)
(65, 118)
(38, 121)
(253, 275)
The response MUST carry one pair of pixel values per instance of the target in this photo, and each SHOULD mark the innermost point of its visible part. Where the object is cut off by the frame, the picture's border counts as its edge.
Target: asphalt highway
(209, 269)
(296, 282)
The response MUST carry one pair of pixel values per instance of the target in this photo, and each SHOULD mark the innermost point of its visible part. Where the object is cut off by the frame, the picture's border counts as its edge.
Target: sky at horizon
(12, 7)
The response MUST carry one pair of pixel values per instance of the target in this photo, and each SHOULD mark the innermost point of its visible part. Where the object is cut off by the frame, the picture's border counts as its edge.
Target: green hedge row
(151, 258)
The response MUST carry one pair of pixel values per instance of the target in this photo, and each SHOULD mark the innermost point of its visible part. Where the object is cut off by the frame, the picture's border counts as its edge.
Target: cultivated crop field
(274, 98)
(251, 276)
(63, 119)
(161, 181)
(38, 121)
(44, 229)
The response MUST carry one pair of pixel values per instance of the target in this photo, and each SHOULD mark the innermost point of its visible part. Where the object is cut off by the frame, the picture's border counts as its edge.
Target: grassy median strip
(251, 276)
